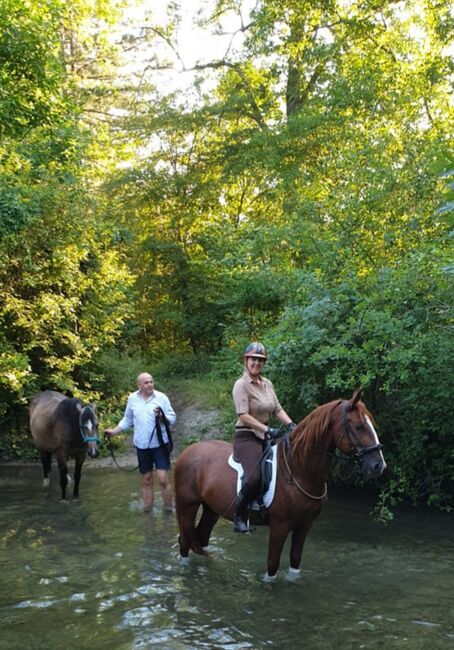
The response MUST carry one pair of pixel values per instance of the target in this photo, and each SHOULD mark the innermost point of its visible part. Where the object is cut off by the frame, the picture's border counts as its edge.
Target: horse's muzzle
(372, 467)
(93, 451)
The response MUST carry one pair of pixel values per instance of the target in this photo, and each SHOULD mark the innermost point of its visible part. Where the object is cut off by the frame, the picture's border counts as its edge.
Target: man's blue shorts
(150, 458)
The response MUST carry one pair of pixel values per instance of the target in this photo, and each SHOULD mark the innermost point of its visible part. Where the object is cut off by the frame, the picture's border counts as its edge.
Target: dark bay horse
(203, 478)
(63, 426)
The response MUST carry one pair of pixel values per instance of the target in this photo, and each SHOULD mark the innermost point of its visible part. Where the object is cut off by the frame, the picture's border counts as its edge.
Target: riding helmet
(256, 349)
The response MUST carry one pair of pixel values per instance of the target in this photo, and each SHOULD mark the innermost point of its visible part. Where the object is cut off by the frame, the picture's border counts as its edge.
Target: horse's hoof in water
(170, 510)
(268, 578)
(293, 574)
(184, 561)
(46, 482)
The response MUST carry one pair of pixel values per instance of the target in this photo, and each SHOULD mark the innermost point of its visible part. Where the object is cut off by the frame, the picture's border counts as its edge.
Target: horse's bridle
(86, 438)
(357, 452)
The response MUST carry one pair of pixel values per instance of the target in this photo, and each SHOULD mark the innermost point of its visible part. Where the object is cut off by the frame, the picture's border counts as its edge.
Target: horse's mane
(310, 434)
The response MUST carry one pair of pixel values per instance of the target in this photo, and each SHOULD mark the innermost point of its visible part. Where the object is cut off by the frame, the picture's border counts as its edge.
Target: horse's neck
(314, 465)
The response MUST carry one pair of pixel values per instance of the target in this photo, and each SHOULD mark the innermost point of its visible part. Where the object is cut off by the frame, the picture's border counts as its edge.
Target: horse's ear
(93, 407)
(356, 397)
(79, 407)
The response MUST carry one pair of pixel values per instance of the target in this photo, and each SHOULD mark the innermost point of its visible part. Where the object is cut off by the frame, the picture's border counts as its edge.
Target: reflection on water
(98, 573)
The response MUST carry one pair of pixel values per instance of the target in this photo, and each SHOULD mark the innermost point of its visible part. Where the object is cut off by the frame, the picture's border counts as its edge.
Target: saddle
(268, 469)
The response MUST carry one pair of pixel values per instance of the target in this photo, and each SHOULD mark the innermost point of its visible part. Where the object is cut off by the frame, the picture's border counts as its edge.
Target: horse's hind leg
(46, 461)
(206, 525)
(188, 538)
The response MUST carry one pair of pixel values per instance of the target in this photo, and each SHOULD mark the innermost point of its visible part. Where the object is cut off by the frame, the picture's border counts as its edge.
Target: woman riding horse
(255, 403)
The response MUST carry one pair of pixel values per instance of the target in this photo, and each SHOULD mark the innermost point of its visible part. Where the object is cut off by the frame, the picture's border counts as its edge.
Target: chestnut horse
(204, 478)
(63, 426)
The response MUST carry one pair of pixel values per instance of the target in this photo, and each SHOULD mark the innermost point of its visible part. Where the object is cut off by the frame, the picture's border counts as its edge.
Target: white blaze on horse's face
(92, 445)
(376, 440)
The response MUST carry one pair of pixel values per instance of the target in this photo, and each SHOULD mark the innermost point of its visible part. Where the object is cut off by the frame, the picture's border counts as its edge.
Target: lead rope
(292, 479)
(124, 469)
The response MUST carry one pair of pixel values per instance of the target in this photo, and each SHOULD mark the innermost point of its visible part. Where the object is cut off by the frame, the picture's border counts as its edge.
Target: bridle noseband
(85, 438)
(357, 451)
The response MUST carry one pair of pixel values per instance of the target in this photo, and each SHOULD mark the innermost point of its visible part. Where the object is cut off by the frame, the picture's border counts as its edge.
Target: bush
(390, 335)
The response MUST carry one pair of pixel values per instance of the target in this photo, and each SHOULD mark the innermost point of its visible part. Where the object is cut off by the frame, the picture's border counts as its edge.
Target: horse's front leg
(78, 472)
(277, 537)
(63, 469)
(296, 550)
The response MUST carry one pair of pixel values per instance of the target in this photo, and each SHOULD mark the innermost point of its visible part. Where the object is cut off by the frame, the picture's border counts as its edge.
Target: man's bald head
(145, 383)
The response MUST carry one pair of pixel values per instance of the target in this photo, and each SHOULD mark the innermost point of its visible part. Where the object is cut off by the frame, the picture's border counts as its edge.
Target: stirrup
(241, 526)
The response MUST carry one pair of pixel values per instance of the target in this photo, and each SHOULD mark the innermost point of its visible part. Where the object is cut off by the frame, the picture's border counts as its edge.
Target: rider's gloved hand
(108, 434)
(272, 433)
(290, 427)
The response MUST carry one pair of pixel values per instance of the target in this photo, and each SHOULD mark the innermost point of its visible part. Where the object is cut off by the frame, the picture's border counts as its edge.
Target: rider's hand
(108, 434)
(272, 433)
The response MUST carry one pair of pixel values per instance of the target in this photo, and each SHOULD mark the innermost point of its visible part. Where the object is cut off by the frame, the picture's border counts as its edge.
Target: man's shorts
(150, 458)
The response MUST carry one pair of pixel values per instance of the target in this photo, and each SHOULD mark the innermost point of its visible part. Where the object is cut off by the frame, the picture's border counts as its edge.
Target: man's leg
(166, 488)
(147, 491)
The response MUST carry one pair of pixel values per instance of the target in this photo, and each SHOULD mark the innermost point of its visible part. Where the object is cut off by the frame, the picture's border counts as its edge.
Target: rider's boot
(240, 519)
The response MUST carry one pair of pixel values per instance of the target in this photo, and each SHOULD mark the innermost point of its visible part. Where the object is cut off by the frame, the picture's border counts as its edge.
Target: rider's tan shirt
(256, 398)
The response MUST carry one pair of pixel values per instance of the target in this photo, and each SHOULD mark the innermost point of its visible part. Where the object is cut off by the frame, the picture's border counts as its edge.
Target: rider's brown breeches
(247, 449)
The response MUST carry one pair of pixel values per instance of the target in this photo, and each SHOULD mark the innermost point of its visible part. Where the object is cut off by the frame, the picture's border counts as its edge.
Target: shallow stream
(98, 573)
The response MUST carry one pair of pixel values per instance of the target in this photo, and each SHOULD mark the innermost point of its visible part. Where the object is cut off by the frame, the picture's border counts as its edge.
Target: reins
(292, 480)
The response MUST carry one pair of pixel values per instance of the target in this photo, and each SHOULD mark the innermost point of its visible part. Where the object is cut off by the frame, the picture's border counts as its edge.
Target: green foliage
(31, 92)
(63, 288)
(389, 336)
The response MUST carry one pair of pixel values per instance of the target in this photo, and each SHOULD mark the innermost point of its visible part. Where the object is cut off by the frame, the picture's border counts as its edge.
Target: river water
(99, 574)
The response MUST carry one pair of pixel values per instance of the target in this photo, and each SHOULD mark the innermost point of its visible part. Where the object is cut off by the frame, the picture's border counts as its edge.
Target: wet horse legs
(77, 473)
(63, 469)
(46, 460)
(188, 538)
(206, 525)
(278, 535)
(296, 550)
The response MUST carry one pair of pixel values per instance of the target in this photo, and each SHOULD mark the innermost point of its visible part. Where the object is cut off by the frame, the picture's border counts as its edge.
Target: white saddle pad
(269, 495)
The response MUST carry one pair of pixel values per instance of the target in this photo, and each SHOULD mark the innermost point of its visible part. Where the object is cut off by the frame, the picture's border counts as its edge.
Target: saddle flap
(269, 468)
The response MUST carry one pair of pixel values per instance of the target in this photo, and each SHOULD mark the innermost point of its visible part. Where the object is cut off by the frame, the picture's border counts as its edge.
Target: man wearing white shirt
(142, 409)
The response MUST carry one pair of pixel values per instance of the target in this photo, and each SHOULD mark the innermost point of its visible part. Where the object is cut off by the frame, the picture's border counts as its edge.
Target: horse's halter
(85, 438)
(357, 452)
